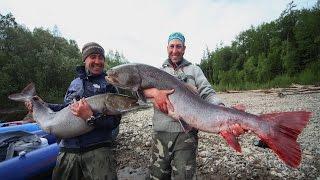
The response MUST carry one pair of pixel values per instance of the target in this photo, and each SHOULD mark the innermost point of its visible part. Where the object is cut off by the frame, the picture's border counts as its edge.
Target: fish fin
(121, 111)
(141, 95)
(122, 98)
(108, 110)
(29, 90)
(19, 97)
(284, 133)
(186, 128)
(25, 95)
(231, 140)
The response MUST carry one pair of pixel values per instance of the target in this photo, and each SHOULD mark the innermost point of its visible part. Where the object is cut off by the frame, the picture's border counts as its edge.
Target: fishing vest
(86, 86)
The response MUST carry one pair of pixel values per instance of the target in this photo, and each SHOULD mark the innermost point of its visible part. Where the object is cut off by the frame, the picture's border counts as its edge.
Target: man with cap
(174, 151)
(88, 156)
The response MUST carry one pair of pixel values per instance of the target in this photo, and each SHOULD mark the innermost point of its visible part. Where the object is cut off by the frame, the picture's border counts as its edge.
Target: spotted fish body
(278, 130)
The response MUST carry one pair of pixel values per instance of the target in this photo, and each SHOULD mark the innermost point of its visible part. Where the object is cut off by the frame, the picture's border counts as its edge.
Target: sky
(139, 29)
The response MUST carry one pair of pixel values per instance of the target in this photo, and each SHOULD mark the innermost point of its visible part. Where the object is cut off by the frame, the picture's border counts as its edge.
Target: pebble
(204, 154)
(216, 158)
(148, 144)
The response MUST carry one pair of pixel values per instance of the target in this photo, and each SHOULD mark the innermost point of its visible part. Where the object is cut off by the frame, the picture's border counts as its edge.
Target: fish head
(126, 76)
(122, 101)
(118, 104)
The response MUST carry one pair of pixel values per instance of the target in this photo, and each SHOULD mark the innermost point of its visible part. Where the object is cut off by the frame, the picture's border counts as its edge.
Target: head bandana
(176, 35)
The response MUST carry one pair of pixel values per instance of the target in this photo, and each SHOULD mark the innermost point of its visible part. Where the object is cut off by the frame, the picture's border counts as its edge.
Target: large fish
(63, 123)
(278, 130)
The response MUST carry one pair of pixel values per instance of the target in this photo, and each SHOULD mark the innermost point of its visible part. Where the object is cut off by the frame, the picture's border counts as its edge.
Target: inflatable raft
(30, 127)
(35, 164)
(34, 158)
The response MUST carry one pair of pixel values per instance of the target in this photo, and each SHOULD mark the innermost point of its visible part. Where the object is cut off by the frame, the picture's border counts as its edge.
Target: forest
(273, 54)
(41, 56)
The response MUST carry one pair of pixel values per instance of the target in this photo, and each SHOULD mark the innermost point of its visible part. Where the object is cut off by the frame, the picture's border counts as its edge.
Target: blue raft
(36, 164)
(30, 127)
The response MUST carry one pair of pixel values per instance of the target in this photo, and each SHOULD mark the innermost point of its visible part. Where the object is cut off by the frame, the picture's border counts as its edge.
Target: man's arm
(205, 89)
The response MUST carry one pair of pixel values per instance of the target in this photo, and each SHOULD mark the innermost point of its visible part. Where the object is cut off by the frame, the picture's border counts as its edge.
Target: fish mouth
(111, 80)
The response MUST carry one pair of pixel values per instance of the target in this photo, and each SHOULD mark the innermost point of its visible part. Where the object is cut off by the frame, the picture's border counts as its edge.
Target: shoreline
(215, 158)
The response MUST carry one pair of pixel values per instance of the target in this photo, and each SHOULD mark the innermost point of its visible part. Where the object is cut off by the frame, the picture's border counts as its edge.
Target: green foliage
(37, 57)
(281, 81)
(273, 54)
(263, 70)
(115, 59)
(40, 56)
(250, 70)
(311, 74)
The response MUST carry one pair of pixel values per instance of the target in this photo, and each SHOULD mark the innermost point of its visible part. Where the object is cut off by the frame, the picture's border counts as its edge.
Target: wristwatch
(91, 120)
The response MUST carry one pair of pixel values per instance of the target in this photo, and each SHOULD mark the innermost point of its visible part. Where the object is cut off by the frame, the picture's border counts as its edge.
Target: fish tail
(25, 95)
(283, 137)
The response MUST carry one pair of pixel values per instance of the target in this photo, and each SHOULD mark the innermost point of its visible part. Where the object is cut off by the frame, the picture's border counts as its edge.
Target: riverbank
(215, 158)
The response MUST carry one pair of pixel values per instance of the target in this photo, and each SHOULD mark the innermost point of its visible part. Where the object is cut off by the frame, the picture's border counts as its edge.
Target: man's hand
(160, 99)
(28, 105)
(237, 130)
(81, 109)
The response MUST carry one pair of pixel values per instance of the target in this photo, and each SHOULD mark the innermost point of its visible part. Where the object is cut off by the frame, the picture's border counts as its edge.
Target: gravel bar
(216, 160)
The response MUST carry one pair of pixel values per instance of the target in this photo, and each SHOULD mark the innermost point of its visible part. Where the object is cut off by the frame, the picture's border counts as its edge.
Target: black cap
(91, 48)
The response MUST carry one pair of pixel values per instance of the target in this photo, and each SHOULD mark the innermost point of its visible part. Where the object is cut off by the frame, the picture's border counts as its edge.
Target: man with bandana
(174, 150)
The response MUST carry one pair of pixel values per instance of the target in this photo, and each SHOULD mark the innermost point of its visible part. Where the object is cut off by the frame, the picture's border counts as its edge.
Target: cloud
(139, 29)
